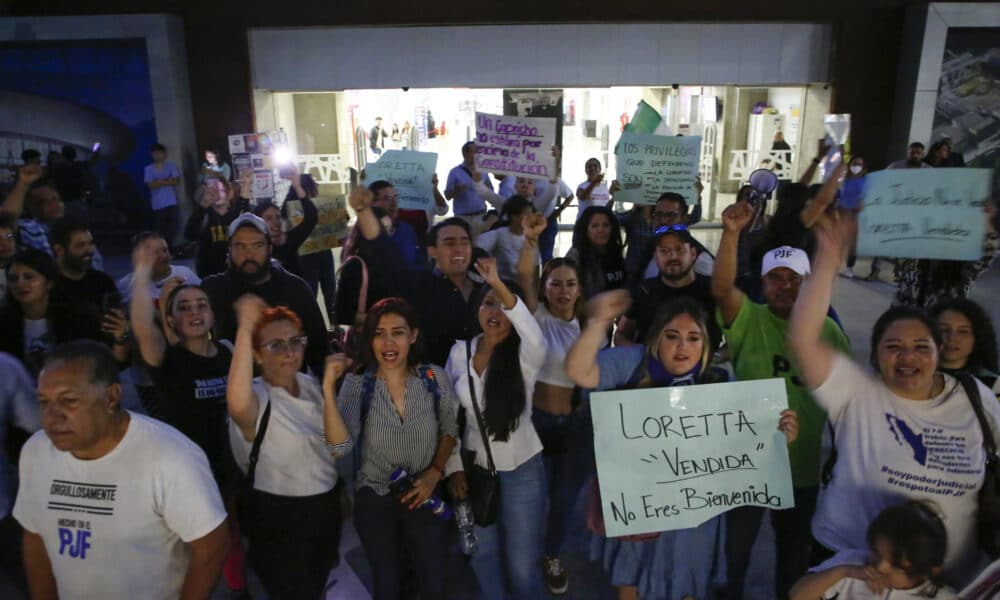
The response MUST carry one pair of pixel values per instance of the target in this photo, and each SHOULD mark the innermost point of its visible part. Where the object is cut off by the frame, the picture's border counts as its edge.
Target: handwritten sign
(649, 165)
(519, 146)
(925, 213)
(410, 173)
(673, 458)
(331, 227)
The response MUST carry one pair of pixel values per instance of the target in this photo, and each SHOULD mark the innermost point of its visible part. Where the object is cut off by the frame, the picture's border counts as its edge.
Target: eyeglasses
(671, 228)
(295, 344)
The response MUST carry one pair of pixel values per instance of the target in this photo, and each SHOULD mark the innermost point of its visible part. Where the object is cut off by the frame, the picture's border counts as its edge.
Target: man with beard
(914, 158)
(250, 271)
(672, 209)
(676, 252)
(93, 291)
(756, 338)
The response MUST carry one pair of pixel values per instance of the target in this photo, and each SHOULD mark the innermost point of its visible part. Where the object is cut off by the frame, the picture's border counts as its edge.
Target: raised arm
(813, 357)
(532, 340)
(727, 296)
(361, 201)
(242, 403)
(527, 260)
(142, 312)
(810, 172)
(581, 361)
(13, 205)
(440, 203)
(827, 194)
(334, 427)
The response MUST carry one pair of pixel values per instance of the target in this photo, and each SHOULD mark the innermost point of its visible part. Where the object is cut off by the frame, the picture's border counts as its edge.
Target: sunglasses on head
(671, 229)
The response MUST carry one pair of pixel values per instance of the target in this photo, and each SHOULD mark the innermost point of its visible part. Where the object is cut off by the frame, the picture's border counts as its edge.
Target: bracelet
(124, 339)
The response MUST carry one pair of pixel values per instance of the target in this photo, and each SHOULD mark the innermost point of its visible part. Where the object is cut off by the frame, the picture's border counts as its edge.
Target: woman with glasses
(290, 512)
(189, 371)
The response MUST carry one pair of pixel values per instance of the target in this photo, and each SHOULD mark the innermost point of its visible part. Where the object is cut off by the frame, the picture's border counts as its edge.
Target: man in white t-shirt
(163, 271)
(113, 504)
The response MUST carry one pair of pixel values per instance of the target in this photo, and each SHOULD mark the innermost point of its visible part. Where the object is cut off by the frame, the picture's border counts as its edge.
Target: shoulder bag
(988, 512)
(484, 483)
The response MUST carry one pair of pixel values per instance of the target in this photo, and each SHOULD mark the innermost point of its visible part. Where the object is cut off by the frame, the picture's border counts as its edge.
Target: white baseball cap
(788, 257)
(248, 219)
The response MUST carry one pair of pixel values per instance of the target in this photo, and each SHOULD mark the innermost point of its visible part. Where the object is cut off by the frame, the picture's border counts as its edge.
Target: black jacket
(282, 289)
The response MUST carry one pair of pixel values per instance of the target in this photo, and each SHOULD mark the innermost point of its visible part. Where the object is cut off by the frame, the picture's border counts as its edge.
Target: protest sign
(925, 213)
(410, 173)
(649, 165)
(331, 227)
(673, 458)
(519, 146)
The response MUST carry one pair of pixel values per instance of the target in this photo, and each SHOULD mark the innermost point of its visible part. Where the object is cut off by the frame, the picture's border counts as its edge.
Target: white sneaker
(847, 272)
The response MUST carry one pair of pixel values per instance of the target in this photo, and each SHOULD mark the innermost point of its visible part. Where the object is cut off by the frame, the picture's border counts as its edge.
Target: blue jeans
(511, 549)
(569, 461)
(547, 241)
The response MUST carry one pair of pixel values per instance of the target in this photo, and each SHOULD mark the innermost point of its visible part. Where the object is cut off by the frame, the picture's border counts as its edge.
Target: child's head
(908, 543)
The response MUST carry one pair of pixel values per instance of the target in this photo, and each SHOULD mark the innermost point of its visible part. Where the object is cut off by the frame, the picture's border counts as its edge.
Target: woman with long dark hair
(969, 342)
(497, 370)
(401, 414)
(597, 249)
(677, 352)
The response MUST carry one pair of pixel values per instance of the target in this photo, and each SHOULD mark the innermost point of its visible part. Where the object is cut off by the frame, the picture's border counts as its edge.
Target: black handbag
(484, 484)
(988, 513)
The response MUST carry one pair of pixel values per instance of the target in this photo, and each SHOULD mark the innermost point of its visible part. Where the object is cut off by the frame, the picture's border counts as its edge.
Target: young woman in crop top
(565, 428)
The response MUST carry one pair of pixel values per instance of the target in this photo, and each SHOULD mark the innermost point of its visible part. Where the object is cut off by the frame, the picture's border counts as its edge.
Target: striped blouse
(392, 441)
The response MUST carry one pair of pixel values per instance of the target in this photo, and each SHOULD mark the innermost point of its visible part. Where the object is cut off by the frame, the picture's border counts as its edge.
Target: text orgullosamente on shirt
(117, 526)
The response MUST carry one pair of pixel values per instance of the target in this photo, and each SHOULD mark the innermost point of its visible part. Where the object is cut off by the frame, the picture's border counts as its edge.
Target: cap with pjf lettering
(788, 257)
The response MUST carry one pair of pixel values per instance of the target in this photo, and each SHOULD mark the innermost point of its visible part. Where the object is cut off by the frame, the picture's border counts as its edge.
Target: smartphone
(354, 177)
(109, 301)
(96, 147)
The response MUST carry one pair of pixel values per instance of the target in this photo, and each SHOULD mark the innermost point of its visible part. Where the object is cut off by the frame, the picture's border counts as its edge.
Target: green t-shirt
(758, 350)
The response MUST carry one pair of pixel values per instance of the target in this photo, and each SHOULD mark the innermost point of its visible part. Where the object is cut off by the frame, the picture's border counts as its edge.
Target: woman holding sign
(673, 564)
(906, 432)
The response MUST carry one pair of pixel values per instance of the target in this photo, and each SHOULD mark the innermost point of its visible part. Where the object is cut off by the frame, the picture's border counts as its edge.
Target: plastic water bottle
(400, 482)
(466, 530)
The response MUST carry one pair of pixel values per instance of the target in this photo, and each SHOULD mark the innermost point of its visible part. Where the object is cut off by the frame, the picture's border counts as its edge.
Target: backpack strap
(426, 374)
(826, 473)
(971, 387)
(367, 393)
(257, 441)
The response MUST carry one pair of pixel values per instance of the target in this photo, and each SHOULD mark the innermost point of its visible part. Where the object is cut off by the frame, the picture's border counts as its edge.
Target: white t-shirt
(560, 336)
(523, 443)
(504, 246)
(890, 450)
(117, 526)
(855, 589)
(294, 459)
(156, 287)
(599, 196)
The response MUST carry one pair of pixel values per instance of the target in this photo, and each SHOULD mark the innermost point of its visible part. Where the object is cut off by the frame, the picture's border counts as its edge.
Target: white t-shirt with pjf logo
(117, 526)
(891, 450)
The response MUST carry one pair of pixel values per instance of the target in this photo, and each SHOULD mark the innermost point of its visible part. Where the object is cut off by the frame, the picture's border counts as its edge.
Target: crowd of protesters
(450, 364)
